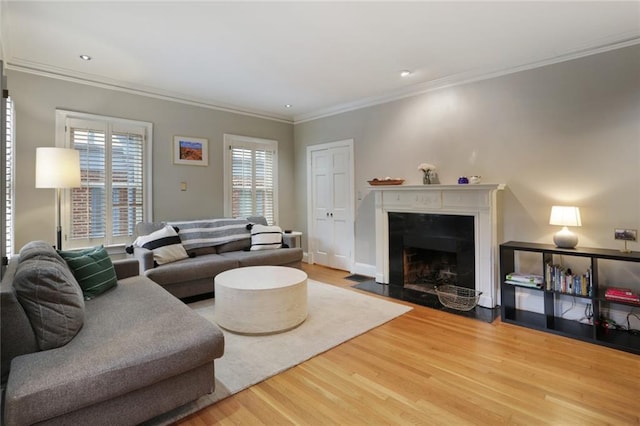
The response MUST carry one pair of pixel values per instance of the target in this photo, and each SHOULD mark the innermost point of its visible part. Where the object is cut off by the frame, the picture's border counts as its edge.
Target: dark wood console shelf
(550, 321)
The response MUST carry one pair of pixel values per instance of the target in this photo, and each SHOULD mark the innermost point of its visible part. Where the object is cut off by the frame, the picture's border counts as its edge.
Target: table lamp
(565, 216)
(57, 168)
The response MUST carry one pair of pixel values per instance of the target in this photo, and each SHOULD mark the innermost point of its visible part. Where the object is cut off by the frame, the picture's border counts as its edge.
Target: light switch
(183, 186)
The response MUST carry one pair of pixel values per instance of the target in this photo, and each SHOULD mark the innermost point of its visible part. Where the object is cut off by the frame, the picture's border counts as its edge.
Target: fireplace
(464, 248)
(426, 250)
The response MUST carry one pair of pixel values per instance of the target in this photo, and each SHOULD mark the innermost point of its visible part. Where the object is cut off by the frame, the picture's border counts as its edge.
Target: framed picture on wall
(190, 151)
(626, 234)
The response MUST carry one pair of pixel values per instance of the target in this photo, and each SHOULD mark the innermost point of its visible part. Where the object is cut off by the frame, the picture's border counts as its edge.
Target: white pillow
(266, 237)
(165, 245)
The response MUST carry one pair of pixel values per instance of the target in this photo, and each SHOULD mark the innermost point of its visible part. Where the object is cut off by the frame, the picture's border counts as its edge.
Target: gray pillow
(39, 249)
(52, 299)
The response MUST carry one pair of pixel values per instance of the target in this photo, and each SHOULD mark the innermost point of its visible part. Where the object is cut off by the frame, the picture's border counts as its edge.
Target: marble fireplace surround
(480, 201)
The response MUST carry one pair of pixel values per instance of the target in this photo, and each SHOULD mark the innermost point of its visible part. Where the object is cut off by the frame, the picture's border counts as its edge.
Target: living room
(557, 131)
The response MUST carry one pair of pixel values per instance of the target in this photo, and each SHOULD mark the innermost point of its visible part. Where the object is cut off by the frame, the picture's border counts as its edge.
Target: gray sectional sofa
(122, 357)
(194, 275)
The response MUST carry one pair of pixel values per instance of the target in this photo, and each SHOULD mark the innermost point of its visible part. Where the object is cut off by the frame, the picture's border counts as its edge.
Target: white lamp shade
(57, 168)
(565, 216)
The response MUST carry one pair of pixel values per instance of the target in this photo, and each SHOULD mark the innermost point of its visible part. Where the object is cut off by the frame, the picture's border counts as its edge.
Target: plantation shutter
(115, 184)
(88, 203)
(253, 177)
(264, 185)
(9, 174)
(241, 182)
(127, 174)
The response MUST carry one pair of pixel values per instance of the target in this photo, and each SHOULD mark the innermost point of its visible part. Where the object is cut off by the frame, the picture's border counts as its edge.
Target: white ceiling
(320, 57)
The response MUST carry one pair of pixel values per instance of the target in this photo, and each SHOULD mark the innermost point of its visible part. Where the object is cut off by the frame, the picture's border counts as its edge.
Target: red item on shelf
(633, 301)
(620, 291)
(617, 294)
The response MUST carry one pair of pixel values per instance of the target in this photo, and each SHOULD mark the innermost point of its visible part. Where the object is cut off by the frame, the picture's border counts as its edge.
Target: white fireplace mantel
(480, 201)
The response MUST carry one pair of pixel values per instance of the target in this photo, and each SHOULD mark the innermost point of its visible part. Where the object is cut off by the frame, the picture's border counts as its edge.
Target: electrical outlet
(626, 234)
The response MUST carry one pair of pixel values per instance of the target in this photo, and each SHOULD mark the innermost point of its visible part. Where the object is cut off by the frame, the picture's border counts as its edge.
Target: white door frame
(348, 143)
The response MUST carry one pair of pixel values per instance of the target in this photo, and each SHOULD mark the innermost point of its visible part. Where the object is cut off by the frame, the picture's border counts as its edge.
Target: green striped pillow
(93, 270)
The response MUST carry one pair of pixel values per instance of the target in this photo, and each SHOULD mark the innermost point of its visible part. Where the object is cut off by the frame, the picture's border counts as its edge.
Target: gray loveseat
(194, 275)
(138, 352)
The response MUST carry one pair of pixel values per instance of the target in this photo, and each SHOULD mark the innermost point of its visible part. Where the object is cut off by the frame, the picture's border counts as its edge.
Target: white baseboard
(364, 269)
(357, 268)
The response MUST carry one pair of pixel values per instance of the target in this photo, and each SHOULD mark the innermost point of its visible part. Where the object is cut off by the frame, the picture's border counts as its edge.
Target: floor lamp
(57, 168)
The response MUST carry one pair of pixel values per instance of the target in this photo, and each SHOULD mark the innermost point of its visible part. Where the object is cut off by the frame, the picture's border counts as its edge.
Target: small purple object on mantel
(462, 180)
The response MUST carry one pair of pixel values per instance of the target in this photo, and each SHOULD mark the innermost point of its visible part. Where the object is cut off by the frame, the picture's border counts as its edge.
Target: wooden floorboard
(432, 367)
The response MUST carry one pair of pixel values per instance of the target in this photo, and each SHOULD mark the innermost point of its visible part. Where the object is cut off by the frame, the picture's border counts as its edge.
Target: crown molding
(433, 85)
(459, 79)
(65, 75)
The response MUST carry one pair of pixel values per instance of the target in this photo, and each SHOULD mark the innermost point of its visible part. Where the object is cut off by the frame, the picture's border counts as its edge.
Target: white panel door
(332, 206)
(340, 213)
(322, 232)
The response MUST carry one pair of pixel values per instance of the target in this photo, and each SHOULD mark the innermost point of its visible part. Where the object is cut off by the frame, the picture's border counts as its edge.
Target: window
(9, 192)
(251, 177)
(115, 172)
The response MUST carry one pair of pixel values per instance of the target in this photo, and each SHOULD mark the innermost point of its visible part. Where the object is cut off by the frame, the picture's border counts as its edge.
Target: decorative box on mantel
(480, 201)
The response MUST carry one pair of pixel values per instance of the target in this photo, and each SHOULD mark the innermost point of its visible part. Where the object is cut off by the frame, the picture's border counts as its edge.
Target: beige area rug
(335, 316)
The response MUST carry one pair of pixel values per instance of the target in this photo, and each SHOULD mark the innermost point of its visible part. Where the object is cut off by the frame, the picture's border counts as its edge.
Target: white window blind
(115, 180)
(127, 190)
(88, 203)
(9, 176)
(252, 177)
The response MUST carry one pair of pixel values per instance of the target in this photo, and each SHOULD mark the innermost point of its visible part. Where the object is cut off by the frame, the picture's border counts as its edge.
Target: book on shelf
(634, 301)
(563, 280)
(618, 294)
(620, 291)
(524, 283)
(525, 278)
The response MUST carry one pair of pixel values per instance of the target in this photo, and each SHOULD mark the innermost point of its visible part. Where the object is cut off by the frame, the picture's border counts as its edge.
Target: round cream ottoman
(260, 299)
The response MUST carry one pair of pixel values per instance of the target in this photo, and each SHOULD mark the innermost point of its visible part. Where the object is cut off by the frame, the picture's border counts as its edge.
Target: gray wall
(36, 99)
(567, 133)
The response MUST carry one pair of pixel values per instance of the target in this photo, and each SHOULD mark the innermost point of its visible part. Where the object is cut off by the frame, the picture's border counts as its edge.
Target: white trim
(364, 269)
(118, 86)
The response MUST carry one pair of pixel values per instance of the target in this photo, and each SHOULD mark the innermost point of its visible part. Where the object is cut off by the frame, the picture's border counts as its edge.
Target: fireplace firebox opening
(426, 250)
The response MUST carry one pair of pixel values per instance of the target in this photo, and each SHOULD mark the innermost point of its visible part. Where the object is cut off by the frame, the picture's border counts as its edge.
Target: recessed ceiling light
(287, 106)
(405, 73)
(85, 57)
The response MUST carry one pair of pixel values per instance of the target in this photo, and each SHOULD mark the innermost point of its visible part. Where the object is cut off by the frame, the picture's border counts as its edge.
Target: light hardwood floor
(431, 367)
